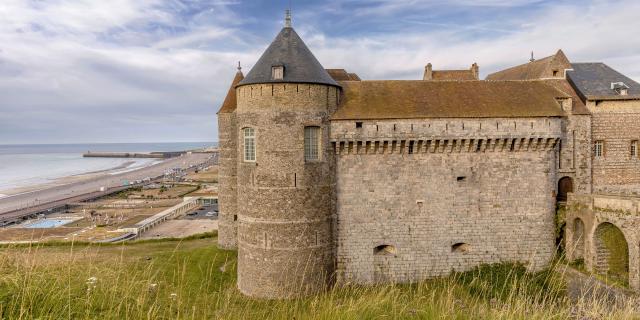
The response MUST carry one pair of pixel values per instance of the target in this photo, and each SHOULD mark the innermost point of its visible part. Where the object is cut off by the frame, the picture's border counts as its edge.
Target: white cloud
(143, 70)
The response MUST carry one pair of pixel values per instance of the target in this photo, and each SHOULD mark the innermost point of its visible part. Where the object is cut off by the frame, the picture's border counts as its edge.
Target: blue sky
(157, 70)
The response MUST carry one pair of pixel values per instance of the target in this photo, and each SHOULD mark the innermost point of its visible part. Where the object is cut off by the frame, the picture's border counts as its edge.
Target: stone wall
(586, 213)
(228, 193)
(616, 123)
(285, 205)
(574, 158)
(420, 198)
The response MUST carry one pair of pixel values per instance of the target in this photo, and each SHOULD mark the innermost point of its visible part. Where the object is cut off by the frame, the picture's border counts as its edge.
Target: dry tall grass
(194, 280)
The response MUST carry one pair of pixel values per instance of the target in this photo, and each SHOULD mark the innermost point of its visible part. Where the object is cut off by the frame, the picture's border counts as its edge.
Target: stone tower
(228, 146)
(286, 197)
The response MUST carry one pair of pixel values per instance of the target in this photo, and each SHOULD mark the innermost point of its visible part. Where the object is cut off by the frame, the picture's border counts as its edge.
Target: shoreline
(61, 181)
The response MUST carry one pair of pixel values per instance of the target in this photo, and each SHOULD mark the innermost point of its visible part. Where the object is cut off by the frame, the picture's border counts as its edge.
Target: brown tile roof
(343, 75)
(564, 86)
(447, 99)
(537, 69)
(449, 75)
(230, 103)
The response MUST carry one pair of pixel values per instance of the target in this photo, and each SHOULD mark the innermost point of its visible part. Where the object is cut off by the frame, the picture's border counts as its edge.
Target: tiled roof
(445, 75)
(447, 99)
(230, 103)
(537, 69)
(564, 86)
(343, 75)
(593, 81)
(289, 51)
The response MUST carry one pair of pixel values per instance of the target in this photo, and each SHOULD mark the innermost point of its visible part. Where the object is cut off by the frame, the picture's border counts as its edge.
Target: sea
(35, 164)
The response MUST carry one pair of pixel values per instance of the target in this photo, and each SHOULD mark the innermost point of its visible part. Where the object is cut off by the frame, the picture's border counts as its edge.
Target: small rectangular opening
(358, 125)
(235, 217)
(460, 179)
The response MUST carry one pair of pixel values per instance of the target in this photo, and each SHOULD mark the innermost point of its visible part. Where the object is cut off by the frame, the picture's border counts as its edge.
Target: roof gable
(548, 67)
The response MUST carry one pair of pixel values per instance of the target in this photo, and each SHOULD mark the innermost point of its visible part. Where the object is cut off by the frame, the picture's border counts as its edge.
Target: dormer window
(620, 88)
(277, 73)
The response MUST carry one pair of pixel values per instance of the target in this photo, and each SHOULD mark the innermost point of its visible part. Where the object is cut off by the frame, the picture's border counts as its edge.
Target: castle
(326, 178)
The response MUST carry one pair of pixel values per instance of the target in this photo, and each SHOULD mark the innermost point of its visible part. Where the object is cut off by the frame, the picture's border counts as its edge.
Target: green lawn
(192, 279)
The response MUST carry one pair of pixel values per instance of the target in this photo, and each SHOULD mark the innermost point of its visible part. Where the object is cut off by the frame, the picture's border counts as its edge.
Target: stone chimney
(428, 72)
(475, 69)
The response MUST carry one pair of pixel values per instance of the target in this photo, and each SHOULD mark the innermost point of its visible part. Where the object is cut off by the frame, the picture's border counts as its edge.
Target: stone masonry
(416, 179)
(433, 199)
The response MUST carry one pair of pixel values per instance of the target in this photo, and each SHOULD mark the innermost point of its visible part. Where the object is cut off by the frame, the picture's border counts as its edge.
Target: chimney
(475, 69)
(428, 72)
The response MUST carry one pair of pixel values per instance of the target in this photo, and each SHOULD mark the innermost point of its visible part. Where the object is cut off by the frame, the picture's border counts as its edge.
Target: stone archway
(578, 240)
(611, 252)
(565, 185)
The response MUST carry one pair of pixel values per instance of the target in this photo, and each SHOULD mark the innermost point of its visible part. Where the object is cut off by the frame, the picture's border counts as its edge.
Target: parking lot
(204, 212)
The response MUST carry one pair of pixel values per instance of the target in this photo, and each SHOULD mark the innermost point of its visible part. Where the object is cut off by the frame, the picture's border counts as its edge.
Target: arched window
(249, 144)
(312, 143)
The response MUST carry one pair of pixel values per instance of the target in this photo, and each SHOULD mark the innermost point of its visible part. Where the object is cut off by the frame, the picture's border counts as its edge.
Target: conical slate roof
(300, 65)
(230, 102)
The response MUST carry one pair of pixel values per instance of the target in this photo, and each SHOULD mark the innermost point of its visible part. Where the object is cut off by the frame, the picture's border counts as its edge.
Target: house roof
(536, 69)
(300, 65)
(593, 81)
(452, 75)
(579, 108)
(343, 75)
(447, 99)
(230, 102)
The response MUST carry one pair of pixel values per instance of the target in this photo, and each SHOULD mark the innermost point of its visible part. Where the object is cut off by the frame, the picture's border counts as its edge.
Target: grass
(192, 279)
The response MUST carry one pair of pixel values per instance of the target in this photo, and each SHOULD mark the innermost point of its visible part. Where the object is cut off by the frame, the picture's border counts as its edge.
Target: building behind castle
(326, 178)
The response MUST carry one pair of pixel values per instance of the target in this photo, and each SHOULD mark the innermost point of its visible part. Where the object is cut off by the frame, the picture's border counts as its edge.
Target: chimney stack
(428, 72)
(475, 69)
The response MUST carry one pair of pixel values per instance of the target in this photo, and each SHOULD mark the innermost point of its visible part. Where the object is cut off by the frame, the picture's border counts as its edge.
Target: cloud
(157, 70)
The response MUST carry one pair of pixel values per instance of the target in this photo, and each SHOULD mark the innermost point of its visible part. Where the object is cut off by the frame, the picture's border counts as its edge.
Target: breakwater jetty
(153, 155)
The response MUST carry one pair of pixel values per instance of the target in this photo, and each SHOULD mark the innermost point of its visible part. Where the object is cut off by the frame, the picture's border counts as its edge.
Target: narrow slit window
(249, 144)
(634, 149)
(312, 143)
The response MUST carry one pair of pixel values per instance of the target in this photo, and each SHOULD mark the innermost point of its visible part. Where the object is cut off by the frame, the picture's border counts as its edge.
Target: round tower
(227, 174)
(285, 172)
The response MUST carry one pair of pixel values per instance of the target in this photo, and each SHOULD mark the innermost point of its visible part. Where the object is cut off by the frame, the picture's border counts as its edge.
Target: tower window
(277, 73)
(312, 143)
(634, 149)
(358, 125)
(249, 144)
(598, 149)
(555, 73)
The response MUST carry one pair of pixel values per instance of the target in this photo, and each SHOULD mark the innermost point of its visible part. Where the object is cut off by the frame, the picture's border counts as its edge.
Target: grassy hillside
(192, 279)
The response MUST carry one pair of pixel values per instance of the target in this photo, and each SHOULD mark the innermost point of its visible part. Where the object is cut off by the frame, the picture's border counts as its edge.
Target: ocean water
(27, 165)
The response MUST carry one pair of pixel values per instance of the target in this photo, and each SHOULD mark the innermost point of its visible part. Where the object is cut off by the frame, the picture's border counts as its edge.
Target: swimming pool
(48, 223)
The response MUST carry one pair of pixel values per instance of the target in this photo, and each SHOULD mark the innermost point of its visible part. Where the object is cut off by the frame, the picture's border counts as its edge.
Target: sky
(85, 71)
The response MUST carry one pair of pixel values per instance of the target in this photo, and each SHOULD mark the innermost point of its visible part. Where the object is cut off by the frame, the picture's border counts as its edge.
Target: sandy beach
(71, 186)
(66, 180)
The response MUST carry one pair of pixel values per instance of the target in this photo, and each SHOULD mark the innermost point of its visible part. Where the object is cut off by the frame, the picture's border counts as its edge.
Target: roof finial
(287, 20)
(532, 59)
(239, 67)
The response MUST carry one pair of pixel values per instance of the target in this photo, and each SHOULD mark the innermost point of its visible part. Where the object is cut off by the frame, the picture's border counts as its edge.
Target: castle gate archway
(565, 185)
(382, 258)
(611, 252)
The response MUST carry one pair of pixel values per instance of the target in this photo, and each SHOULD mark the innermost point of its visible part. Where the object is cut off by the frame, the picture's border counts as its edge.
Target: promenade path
(92, 185)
